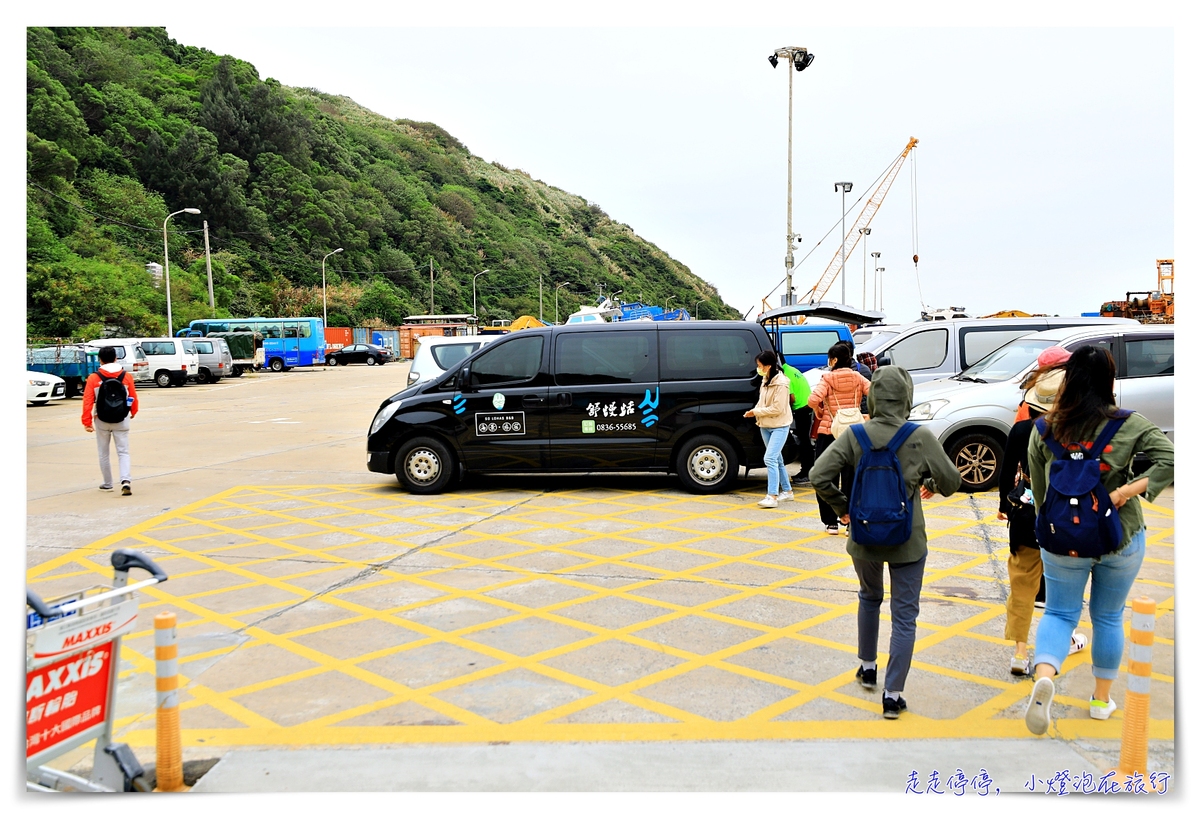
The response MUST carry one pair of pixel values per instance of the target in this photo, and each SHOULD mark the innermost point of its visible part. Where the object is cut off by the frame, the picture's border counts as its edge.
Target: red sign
(66, 698)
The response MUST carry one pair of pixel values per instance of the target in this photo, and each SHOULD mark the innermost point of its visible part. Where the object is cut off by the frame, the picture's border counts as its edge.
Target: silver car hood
(971, 400)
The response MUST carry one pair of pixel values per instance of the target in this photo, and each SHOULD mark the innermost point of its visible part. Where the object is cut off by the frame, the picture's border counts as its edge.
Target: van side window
(1146, 357)
(204, 347)
(808, 343)
(979, 342)
(707, 354)
(158, 347)
(605, 357)
(921, 350)
(448, 356)
(511, 362)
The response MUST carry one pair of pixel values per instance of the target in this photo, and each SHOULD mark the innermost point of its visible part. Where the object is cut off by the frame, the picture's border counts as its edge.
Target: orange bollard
(169, 745)
(1135, 731)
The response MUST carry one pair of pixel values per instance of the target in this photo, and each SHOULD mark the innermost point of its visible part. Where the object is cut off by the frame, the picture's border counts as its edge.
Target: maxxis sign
(66, 698)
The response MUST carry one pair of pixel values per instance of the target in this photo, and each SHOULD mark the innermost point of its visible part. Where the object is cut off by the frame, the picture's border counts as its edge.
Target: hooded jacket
(922, 460)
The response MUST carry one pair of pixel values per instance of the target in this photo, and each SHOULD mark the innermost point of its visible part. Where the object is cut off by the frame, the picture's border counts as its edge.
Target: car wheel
(707, 464)
(370, 360)
(276, 365)
(331, 361)
(202, 376)
(977, 458)
(163, 379)
(424, 466)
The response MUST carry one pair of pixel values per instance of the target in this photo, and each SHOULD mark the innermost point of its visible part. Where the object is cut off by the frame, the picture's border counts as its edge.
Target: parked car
(42, 387)
(930, 350)
(368, 354)
(635, 396)
(972, 413)
(171, 360)
(129, 356)
(438, 354)
(215, 360)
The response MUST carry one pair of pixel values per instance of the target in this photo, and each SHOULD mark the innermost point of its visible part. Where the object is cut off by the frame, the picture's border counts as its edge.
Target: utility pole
(431, 285)
(875, 285)
(540, 299)
(866, 231)
(845, 187)
(208, 265)
(800, 59)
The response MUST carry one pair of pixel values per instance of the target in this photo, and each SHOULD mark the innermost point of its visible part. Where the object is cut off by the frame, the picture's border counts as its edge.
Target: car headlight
(384, 415)
(927, 410)
(39, 383)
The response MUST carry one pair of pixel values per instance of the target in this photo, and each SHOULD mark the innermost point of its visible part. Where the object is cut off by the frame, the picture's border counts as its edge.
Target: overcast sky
(1044, 171)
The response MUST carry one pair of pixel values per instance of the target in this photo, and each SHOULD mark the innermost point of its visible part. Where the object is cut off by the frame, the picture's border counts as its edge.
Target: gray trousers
(906, 579)
(119, 434)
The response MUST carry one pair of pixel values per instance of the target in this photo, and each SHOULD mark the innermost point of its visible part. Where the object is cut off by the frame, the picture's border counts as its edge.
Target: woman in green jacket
(1083, 408)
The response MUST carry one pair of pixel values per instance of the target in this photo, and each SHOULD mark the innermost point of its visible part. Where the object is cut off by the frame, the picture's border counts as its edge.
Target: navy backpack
(881, 512)
(1077, 518)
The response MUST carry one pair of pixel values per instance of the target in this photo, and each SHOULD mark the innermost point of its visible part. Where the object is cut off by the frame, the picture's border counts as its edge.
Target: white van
(129, 356)
(437, 354)
(170, 360)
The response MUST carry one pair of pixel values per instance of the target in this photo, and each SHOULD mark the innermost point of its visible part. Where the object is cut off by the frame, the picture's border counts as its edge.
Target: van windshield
(876, 341)
(1008, 361)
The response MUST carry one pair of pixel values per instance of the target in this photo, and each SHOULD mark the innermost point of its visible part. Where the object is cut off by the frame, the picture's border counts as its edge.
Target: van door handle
(533, 401)
(563, 399)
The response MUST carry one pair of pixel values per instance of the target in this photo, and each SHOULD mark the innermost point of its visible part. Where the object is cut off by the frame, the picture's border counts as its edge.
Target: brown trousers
(1024, 578)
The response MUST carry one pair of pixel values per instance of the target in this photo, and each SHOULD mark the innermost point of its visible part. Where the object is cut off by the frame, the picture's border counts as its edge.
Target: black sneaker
(866, 678)
(126, 490)
(105, 487)
(892, 708)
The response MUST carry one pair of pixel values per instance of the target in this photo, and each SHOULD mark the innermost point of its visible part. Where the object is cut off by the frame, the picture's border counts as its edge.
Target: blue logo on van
(648, 406)
(460, 405)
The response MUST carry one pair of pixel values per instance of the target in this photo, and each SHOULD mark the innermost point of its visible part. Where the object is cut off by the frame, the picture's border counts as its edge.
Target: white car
(437, 354)
(43, 387)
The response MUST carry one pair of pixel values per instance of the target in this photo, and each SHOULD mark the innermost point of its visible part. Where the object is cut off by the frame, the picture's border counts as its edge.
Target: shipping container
(387, 338)
(337, 337)
(362, 335)
(410, 331)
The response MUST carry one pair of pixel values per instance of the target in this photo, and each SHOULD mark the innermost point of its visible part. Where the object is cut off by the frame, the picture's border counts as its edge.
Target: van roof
(1069, 333)
(1070, 320)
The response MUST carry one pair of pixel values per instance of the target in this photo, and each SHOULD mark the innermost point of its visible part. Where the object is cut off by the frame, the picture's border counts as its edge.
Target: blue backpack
(1077, 518)
(881, 512)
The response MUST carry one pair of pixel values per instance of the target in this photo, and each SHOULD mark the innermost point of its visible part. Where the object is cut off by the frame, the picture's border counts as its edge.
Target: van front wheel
(425, 466)
(707, 464)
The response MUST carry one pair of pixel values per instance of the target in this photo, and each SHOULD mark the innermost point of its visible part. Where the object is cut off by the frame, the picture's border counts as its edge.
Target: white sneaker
(1037, 712)
(768, 502)
(786, 497)
(1020, 667)
(1078, 642)
(1102, 711)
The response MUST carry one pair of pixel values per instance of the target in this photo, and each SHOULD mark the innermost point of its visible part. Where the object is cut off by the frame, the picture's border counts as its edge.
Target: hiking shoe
(865, 677)
(801, 481)
(1102, 710)
(785, 497)
(1078, 642)
(1019, 666)
(1037, 712)
(831, 529)
(105, 487)
(892, 708)
(768, 502)
(126, 490)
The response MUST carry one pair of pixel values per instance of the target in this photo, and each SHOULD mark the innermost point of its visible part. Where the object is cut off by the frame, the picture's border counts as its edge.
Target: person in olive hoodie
(926, 470)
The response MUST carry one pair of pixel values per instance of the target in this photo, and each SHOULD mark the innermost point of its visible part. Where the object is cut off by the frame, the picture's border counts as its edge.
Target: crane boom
(850, 240)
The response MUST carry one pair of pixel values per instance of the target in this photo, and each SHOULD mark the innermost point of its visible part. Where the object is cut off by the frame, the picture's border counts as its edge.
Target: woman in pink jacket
(840, 388)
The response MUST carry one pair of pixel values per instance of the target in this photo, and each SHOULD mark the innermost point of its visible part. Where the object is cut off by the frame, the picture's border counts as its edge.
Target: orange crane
(850, 240)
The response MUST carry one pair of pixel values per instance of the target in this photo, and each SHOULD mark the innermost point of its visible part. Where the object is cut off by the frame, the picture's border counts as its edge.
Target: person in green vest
(801, 418)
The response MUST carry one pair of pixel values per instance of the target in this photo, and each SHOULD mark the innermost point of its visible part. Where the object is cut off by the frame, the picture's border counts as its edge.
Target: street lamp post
(474, 308)
(698, 303)
(324, 304)
(845, 187)
(865, 231)
(880, 271)
(875, 284)
(556, 287)
(668, 303)
(801, 59)
(167, 263)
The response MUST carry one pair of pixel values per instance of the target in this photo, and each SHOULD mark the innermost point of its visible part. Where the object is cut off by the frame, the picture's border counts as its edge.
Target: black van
(637, 396)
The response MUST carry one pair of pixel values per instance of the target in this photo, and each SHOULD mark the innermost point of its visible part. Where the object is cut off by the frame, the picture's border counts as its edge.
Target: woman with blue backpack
(896, 464)
(1089, 522)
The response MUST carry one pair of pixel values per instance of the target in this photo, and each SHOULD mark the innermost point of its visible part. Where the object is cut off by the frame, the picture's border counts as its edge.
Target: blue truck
(71, 362)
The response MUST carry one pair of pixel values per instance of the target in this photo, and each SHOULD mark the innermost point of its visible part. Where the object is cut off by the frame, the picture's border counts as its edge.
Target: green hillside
(125, 125)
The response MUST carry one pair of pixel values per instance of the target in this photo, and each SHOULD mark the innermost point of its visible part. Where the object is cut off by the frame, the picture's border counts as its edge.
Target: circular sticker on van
(498, 400)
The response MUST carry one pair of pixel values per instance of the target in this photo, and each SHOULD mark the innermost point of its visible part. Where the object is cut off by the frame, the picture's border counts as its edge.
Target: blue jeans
(777, 476)
(1066, 577)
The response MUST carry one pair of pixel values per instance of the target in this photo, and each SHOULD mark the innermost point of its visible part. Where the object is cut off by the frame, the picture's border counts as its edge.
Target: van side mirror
(462, 381)
(883, 362)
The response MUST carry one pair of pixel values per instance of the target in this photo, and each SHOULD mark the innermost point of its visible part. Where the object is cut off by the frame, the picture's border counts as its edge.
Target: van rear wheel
(425, 466)
(707, 464)
(977, 458)
(163, 378)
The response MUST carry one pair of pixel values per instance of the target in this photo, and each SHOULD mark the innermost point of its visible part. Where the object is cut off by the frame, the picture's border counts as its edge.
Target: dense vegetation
(125, 125)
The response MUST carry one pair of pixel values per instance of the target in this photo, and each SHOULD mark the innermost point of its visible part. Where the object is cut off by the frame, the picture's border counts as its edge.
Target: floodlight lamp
(773, 60)
(802, 59)
(866, 231)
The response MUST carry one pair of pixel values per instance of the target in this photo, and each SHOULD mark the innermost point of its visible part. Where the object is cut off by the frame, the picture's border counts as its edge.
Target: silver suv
(972, 413)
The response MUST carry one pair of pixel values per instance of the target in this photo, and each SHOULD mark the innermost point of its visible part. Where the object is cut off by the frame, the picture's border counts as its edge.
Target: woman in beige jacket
(773, 414)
